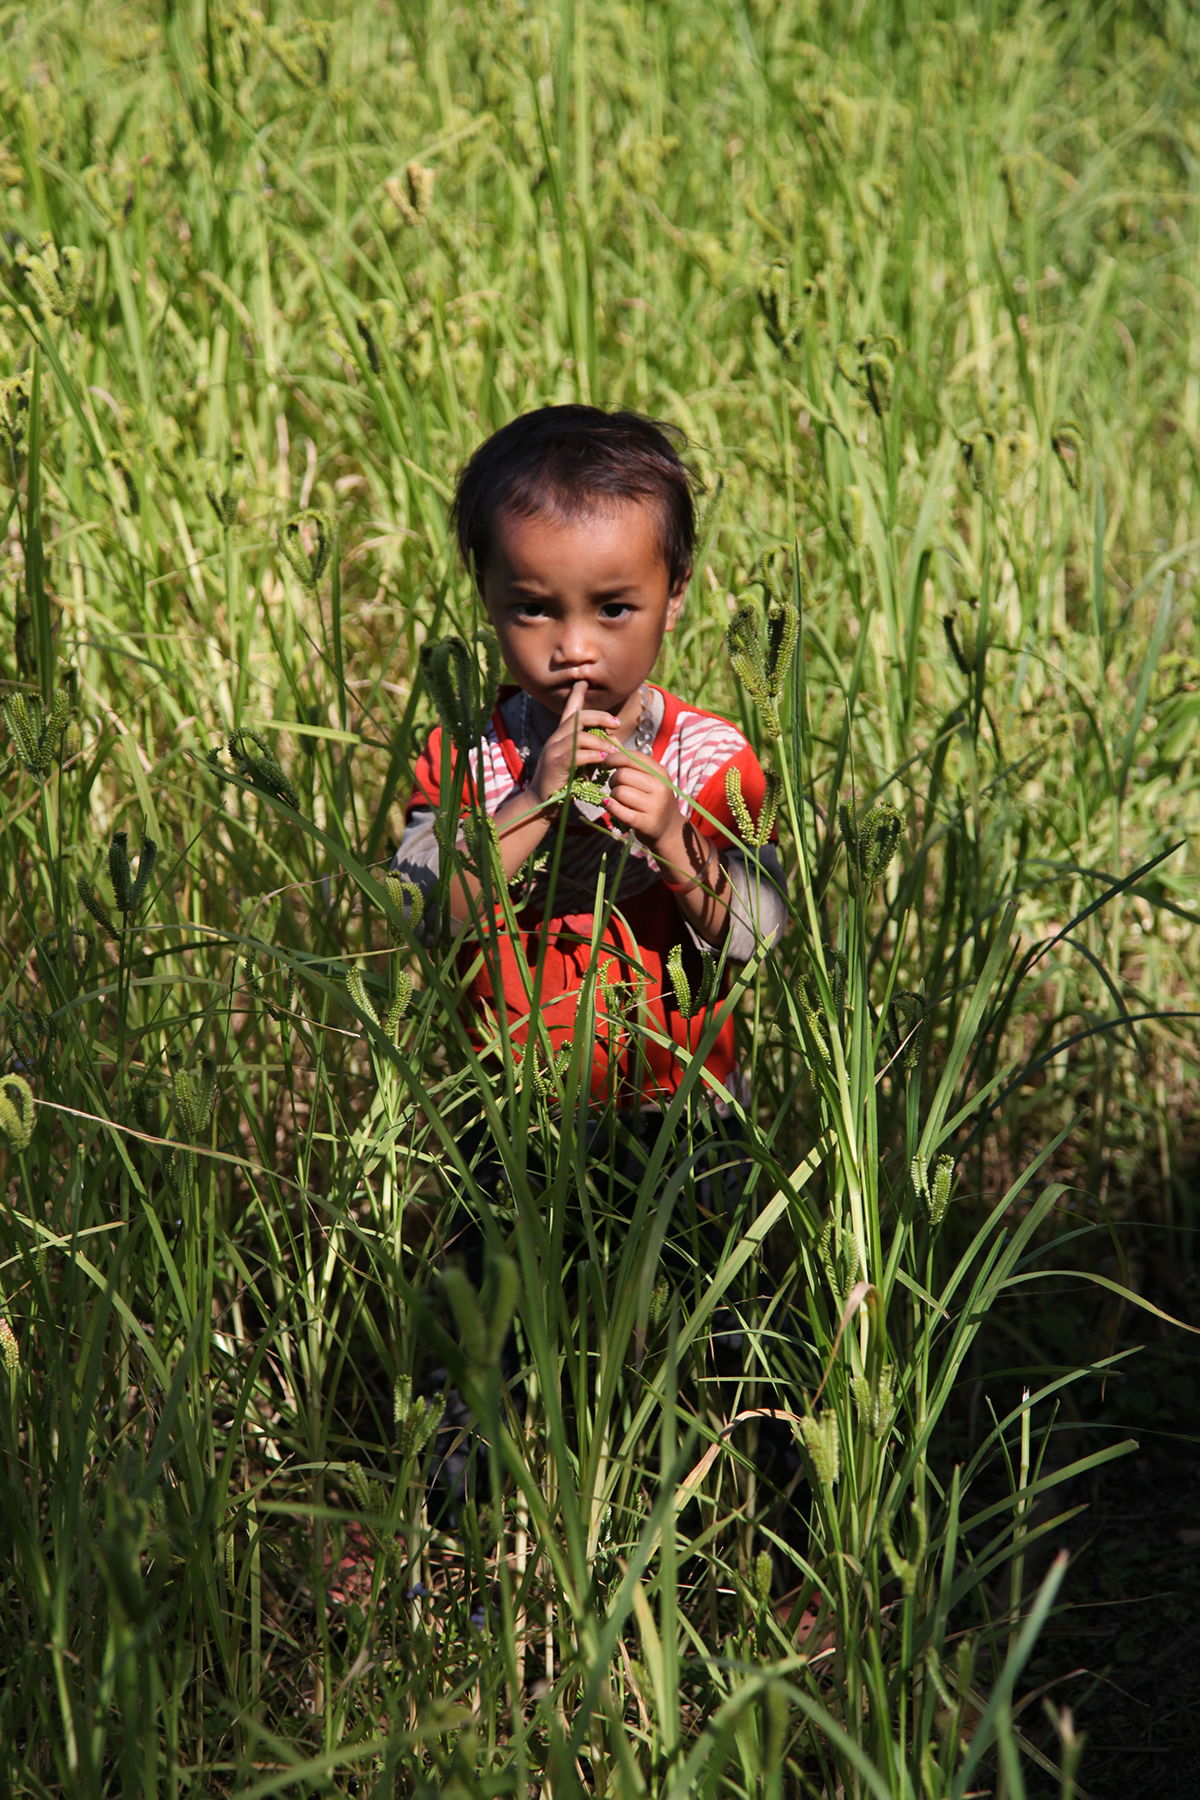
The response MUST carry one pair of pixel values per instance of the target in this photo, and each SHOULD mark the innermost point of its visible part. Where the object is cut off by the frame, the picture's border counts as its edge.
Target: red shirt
(641, 1039)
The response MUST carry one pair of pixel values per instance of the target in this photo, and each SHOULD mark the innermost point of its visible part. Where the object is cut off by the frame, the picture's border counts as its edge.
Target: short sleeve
(427, 776)
(711, 811)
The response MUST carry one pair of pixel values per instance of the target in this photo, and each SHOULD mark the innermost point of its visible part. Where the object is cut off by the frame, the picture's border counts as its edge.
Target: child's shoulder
(496, 750)
(694, 744)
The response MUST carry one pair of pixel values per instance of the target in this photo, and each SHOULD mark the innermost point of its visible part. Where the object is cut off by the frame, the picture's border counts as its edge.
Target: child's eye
(530, 609)
(614, 609)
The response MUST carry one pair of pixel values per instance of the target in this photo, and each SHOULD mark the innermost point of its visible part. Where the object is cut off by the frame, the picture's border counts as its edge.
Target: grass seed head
(87, 896)
(906, 1015)
(962, 635)
(934, 1195)
(784, 322)
(421, 1420)
(463, 694)
(762, 669)
(754, 832)
(257, 763)
(37, 733)
(308, 565)
(400, 1003)
(1022, 176)
(398, 888)
(17, 1111)
(872, 842)
(877, 1405)
(823, 1442)
(979, 454)
(1067, 440)
(358, 993)
(15, 392)
(10, 1349)
(906, 1569)
(868, 365)
(412, 195)
(223, 498)
(56, 277)
(854, 517)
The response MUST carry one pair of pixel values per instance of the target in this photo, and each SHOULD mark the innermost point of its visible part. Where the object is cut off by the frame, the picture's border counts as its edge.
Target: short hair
(570, 460)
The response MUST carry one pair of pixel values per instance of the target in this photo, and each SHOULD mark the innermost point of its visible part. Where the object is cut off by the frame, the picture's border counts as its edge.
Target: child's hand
(640, 795)
(571, 746)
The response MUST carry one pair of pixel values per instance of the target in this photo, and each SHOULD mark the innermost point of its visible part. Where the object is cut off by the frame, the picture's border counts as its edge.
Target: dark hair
(571, 459)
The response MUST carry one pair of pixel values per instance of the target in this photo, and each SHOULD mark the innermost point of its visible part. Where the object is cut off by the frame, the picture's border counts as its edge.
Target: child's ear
(676, 598)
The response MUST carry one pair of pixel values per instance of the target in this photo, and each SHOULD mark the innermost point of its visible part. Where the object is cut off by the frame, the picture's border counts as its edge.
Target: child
(579, 527)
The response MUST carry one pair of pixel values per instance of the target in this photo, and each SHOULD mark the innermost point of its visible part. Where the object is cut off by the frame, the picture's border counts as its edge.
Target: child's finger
(575, 700)
(644, 765)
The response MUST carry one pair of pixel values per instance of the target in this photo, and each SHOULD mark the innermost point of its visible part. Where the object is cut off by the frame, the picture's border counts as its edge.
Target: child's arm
(641, 796)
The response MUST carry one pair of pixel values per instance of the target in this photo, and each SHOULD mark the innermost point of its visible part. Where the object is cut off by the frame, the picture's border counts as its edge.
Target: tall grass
(921, 290)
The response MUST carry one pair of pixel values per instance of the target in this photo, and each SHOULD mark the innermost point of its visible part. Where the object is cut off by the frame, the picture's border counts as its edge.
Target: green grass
(921, 289)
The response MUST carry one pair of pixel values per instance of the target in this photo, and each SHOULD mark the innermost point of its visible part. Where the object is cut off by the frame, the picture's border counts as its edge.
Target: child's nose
(574, 648)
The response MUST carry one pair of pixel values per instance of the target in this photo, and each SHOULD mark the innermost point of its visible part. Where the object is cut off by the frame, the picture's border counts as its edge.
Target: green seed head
(119, 871)
(872, 843)
(590, 792)
(412, 194)
(224, 498)
(421, 1420)
(16, 1111)
(358, 993)
(56, 277)
(36, 733)
(854, 516)
(307, 564)
(398, 887)
(463, 694)
(763, 1572)
(15, 393)
(823, 1442)
(87, 895)
(1022, 177)
(10, 1349)
(400, 1003)
(1068, 447)
(784, 322)
(868, 365)
(762, 669)
(962, 635)
(659, 1296)
(979, 454)
(679, 980)
(907, 1018)
(360, 1486)
(257, 763)
(401, 1398)
(908, 1571)
(876, 1407)
(755, 833)
(934, 1195)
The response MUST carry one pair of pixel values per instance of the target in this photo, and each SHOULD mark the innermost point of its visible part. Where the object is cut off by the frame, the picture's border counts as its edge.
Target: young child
(579, 527)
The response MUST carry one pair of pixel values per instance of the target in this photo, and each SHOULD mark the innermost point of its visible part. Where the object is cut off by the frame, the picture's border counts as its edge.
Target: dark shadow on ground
(1132, 1623)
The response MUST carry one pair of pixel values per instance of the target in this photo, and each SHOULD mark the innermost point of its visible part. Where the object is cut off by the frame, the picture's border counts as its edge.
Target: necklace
(643, 736)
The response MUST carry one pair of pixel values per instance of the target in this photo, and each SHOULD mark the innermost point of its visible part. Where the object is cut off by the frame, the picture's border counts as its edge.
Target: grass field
(921, 285)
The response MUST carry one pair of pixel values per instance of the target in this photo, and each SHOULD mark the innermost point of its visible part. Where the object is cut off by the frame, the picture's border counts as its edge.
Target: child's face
(583, 599)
